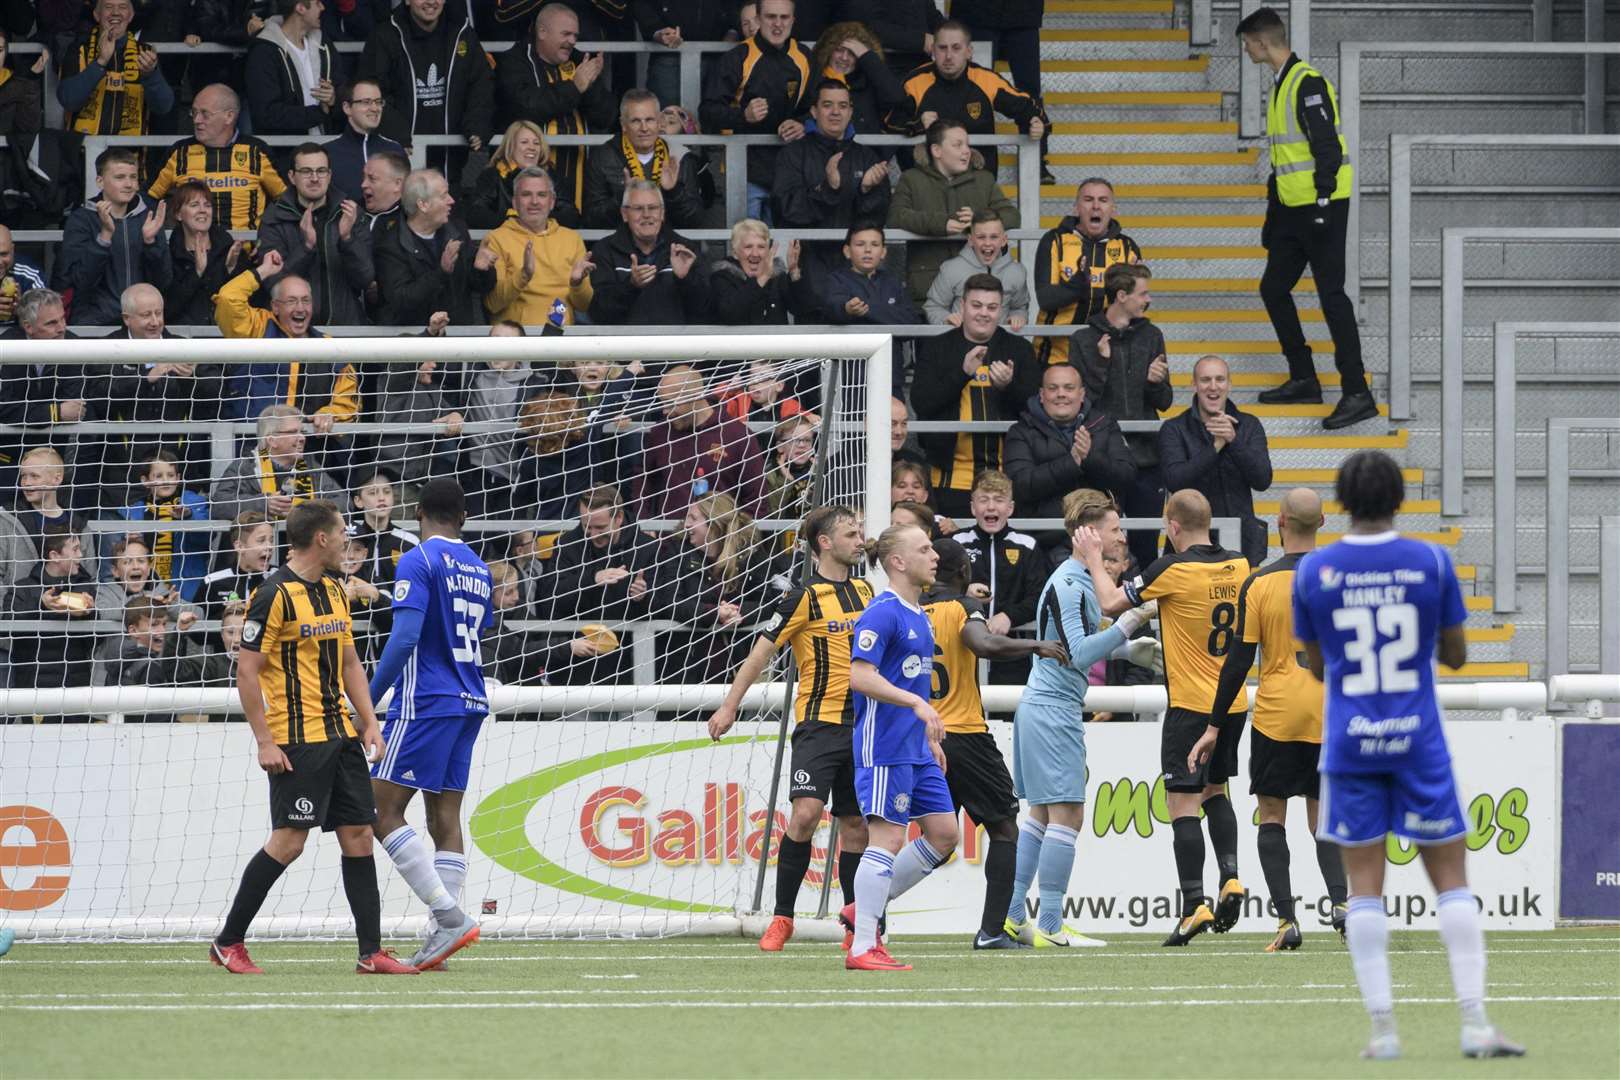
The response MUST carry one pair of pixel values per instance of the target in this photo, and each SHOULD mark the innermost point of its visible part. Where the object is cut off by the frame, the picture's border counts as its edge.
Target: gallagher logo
(43, 849)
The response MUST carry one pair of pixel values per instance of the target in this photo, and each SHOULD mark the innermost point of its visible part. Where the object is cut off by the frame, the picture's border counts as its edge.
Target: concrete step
(1114, 43)
(1058, 76)
(1086, 14)
(1125, 108)
(1209, 168)
(1588, 449)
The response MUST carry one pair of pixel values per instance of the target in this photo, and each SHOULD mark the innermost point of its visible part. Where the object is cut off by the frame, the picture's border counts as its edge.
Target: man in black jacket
(434, 74)
(1062, 442)
(827, 181)
(639, 153)
(362, 105)
(1220, 452)
(646, 275)
(602, 571)
(671, 23)
(316, 229)
(426, 264)
(976, 371)
(760, 88)
(952, 87)
(551, 83)
(291, 74)
(1122, 362)
(58, 589)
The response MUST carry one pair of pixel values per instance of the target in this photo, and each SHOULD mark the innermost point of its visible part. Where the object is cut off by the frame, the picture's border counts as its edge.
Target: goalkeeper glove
(1136, 618)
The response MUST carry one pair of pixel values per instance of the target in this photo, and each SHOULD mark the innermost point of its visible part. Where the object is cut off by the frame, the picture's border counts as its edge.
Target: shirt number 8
(1221, 621)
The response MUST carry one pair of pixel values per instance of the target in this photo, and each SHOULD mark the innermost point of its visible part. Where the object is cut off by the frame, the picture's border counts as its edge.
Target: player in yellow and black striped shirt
(1286, 744)
(817, 620)
(1196, 588)
(296, 665)
(974, 768)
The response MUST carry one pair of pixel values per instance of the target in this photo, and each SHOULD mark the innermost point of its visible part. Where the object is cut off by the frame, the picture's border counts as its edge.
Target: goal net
(636, 499)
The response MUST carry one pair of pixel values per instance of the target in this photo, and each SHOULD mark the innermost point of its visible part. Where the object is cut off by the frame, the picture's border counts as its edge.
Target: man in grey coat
(985, 253)
(276, 476)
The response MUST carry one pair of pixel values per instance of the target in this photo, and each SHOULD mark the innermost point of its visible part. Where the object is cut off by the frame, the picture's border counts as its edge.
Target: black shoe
(1352, 409)
(1047, 175)
(996, 941)
(1293, 392)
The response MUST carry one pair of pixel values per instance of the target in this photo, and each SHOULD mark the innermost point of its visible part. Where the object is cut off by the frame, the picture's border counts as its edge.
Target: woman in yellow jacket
(537, 261)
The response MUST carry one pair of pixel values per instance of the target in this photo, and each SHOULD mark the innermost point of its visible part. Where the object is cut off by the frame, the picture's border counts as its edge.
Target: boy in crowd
(40, 511)
(149, 655)
(252, 546)
(1007, 569)
(864, 293)
(179, 558)
(986, 252)
(131, 570)
(112, 242)
(57, 589)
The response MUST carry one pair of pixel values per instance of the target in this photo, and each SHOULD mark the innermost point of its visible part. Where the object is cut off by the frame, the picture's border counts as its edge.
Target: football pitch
(718, 1007)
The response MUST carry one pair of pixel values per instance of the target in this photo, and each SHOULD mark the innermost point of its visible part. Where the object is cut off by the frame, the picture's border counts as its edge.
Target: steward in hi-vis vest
(1307, 217)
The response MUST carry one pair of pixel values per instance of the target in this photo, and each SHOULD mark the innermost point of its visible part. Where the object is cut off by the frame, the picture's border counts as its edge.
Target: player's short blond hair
(1086, 506)
(890, 540)
(1189, 509)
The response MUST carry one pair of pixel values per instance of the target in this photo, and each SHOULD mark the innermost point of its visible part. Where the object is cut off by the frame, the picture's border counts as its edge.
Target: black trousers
(1021, 48)
(1292, 244)
(1145, 499)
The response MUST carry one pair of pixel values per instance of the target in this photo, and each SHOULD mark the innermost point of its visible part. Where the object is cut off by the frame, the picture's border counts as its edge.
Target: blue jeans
(759, 203)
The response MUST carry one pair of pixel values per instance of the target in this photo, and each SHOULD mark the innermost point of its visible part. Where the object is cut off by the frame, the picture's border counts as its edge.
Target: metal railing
(1557, 651)
(1505, 462)
(1350, 101)
(1609, 593)
(1400, 234)
(1452, 282)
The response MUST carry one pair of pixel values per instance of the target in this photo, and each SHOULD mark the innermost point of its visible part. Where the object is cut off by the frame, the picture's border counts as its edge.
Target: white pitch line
(821, 1003)
(820, 956)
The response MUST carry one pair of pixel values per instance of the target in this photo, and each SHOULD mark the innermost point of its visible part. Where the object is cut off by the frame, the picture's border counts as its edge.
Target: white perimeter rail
(1453, 281)
(1400, 232)
(1558, 430)
(1505, 462)
(1515, 699)
(1350, 56)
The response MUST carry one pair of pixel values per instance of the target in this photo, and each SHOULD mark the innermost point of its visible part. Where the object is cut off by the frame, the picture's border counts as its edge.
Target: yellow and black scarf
(632, 160)
(163, 542)
(118, 104)
(303, 480)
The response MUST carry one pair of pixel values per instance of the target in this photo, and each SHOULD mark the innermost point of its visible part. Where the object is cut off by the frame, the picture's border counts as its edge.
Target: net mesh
(639, 522)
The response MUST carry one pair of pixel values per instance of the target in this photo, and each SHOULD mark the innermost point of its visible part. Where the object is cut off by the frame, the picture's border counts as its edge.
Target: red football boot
(876, 958)
(777, 934)
(383, 962)
(233, 958)
(847, 917)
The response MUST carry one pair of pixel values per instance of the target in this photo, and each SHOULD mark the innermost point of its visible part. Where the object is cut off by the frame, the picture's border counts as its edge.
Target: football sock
(1057, 862)
(1000, 863)
(1188, 841)
(792, 861)
(452, 868)
(413, 858)
(1366, 932)
(1331, 862)
(360, 886)
(849, 864)
(260, 876)
(915, 862)
(871, 896)
(1465, 948)
(1030, 834)
(1223, 834)
(1273, 844)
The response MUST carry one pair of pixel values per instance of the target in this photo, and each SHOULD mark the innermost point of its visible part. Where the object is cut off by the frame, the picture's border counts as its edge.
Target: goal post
(595, 807)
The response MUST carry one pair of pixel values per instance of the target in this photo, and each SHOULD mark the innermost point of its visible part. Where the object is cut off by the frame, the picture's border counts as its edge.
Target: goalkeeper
(1049, 740)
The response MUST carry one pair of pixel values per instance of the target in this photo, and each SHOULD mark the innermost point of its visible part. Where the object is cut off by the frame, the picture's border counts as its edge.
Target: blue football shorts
(899, 793)
(1049, 755)
(430, 753)
(1419, 804)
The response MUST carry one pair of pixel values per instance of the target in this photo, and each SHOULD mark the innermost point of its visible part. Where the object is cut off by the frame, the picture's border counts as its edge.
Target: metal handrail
(1505, 465)
(1452, 282)
(1350, 56)
(1557, 629)
(1400, 236)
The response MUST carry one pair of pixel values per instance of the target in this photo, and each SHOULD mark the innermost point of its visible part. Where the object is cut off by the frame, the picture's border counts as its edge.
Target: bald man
(696, 451)
(1287, 740)
(16, 278)
(1197, 589)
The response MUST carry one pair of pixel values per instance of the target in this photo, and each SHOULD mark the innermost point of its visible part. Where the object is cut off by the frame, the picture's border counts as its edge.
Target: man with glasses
(646, 274)
(237, 168)
(362, 105)
(314, 227)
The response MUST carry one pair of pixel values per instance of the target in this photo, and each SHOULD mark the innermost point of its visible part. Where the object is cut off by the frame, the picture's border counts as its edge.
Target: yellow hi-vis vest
(1291, 161)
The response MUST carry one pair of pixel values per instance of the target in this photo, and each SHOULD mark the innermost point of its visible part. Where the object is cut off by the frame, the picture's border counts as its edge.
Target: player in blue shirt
(1049, 740)
(441, 604)
(899, 763)
(1370, 611)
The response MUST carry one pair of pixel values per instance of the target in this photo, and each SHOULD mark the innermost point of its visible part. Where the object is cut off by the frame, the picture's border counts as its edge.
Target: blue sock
(1029, 856)
(1057, 860)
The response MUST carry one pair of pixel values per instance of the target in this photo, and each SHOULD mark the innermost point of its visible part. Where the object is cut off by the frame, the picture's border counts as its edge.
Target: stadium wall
(600, 828)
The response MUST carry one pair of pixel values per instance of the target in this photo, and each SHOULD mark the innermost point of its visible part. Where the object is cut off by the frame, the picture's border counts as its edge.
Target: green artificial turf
(718, 1007)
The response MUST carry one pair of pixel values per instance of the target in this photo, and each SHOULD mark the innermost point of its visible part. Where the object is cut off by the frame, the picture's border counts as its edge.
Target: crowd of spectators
(340, 230)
